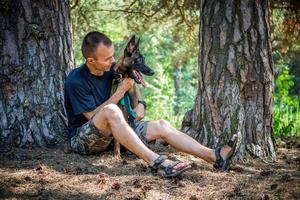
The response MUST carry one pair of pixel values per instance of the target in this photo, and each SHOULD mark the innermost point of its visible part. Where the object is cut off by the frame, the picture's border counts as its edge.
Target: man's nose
(113, 59)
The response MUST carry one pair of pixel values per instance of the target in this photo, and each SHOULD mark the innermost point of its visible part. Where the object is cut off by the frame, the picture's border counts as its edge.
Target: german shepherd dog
(131, 64)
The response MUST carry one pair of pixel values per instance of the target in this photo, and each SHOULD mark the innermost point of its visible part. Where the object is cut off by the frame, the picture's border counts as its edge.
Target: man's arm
(125, 85)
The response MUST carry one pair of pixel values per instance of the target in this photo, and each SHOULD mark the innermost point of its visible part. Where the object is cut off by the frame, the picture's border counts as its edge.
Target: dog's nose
(146, 70)
(151, 72)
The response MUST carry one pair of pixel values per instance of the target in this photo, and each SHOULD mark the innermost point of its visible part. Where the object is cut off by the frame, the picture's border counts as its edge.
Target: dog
(131, 64)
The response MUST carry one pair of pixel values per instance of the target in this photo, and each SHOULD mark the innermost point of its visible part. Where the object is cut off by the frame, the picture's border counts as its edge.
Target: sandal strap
(169, 169)
(232, 143)
(157, 162)
(174, 164)
(219, 160)
(221, 163)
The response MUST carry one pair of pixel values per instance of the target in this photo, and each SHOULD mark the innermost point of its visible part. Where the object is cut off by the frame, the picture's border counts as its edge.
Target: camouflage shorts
(89, 140)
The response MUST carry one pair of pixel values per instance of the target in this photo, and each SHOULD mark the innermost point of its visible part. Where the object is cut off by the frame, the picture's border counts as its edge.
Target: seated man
(95, 119)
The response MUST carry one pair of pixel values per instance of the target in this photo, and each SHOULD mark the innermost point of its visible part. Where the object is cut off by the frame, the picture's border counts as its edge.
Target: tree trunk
(36, 51)
(235, 77)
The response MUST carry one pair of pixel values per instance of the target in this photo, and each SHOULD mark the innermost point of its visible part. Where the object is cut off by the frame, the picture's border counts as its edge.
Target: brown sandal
(167, 171)
(224, 164)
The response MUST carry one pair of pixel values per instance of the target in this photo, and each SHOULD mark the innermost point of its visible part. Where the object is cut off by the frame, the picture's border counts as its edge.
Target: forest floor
(53, 174)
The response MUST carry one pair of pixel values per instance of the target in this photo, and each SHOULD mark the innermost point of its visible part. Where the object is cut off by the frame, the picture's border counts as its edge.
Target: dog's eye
(141, 59)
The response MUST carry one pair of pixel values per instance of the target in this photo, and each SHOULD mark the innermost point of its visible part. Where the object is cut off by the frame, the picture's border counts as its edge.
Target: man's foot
(177, 165)
(168, 168)
(225, 153)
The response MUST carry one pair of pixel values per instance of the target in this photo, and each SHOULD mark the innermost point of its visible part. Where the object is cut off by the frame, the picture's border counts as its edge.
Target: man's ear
(131, 46)
(89, 60)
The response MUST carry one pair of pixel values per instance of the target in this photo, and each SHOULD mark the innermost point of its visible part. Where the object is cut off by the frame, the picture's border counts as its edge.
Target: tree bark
(36, 51)
(235, 77)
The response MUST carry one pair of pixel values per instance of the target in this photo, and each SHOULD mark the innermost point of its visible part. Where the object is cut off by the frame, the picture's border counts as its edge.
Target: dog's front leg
(117, 152)
(134, 95)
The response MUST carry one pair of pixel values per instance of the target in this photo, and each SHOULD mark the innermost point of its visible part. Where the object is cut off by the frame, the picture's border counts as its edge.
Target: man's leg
(110, 120)
(161, 129)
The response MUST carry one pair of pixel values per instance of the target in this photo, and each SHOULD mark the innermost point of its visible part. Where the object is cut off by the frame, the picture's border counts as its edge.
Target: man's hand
(125, 85)
(140, 112)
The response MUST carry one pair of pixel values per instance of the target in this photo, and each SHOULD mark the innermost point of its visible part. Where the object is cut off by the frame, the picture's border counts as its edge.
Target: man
(95, 119)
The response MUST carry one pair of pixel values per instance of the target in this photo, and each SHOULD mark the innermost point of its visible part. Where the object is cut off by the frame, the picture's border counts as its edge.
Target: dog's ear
(131, 46)
(137, 44)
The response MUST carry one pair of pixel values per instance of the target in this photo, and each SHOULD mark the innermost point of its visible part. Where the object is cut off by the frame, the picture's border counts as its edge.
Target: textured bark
(36, 51)
(235, 77)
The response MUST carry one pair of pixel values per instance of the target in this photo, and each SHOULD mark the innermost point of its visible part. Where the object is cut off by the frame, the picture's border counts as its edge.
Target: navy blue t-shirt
(83, 93)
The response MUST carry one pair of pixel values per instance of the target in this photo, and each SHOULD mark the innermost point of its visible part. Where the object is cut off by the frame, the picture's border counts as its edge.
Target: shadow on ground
(53, 174)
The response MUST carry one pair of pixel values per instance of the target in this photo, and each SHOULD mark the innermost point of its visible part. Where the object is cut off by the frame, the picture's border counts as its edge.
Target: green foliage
(285, 42)
(286, 109)
(86, 17)
(285, 28)
(158, 48)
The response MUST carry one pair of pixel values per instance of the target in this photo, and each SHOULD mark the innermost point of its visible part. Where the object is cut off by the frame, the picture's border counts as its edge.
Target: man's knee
(108, 114)
(111, 108)
(164, 128)
(112, 111)
(108, 111)
(163, 123)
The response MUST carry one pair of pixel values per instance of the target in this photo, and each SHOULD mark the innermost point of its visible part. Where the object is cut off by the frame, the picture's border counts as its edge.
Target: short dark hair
(91, 41)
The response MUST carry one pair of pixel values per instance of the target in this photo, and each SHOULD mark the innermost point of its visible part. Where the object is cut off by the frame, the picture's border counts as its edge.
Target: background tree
(236, 77)
(36, 51)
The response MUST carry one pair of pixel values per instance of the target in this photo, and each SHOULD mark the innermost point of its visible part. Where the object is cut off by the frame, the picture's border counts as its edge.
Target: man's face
(103, 58)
